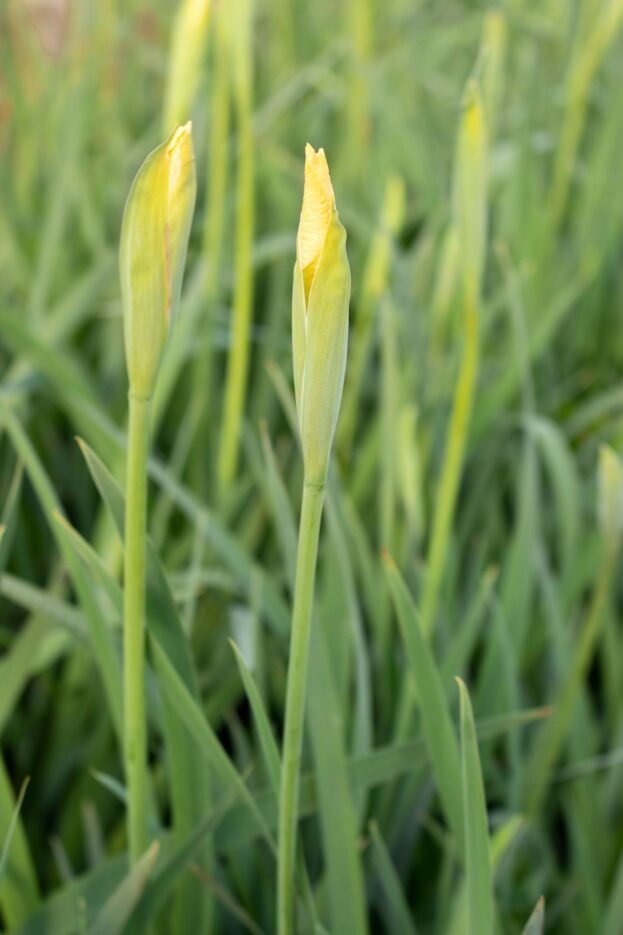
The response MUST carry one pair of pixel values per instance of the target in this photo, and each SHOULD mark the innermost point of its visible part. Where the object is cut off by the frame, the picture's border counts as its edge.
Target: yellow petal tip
(318, 206)
(317, 178)
(181, 135)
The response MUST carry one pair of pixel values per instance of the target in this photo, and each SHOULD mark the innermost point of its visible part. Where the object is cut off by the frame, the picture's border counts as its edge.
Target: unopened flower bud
(154, 240)
(320, 298)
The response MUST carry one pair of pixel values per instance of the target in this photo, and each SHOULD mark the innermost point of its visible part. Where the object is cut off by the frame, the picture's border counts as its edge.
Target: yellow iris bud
(320, 297)
(610, 490)
(470, 190)
(154, 240)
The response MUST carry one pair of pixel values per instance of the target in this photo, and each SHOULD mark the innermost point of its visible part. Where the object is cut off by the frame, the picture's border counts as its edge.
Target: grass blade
(174, 689)
(536, 922)
(104, 650)
(439, 732)
(399, 915)
(19, 890)
(9, 516)
(268, 744)
(552, 737)
(335, 796)
(113, 918)
(365, 773)
(477, 855)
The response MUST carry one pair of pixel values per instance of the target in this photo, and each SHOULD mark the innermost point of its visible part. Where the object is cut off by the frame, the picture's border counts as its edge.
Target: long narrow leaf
(534, 925)
(399, 915)
(104, 650)
(477, 855)
(114, 916)
(436, 720)
(337, 814)
(19, 891)
(179, 696)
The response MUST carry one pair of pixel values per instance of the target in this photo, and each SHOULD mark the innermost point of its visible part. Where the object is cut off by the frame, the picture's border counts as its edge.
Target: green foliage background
(527, 613)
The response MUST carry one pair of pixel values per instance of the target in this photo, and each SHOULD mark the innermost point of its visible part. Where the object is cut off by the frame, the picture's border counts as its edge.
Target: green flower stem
(135, 730)
(311, 514)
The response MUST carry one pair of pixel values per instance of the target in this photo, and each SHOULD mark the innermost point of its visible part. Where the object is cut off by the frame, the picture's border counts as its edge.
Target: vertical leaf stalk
(135, 728)
(238, 363)
(309, 531)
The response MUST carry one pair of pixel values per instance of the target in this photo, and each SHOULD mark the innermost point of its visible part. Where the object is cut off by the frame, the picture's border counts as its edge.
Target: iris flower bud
(470, 191)
(320, 297)
(154, 240)
(610, 500)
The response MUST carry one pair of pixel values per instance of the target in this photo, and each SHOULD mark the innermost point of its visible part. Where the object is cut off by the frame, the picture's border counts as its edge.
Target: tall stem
(135, 731)
(238, 362)
(311, 514)
(213, 238)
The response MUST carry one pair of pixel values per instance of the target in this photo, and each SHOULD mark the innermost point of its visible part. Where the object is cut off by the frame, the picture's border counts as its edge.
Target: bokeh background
(528, 610)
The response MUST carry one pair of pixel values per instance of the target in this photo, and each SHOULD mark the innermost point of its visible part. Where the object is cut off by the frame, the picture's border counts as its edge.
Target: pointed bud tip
(182, 132)
(318, 206)
(387, 558)
(473, 114)
(317, 173)
(180, 144)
